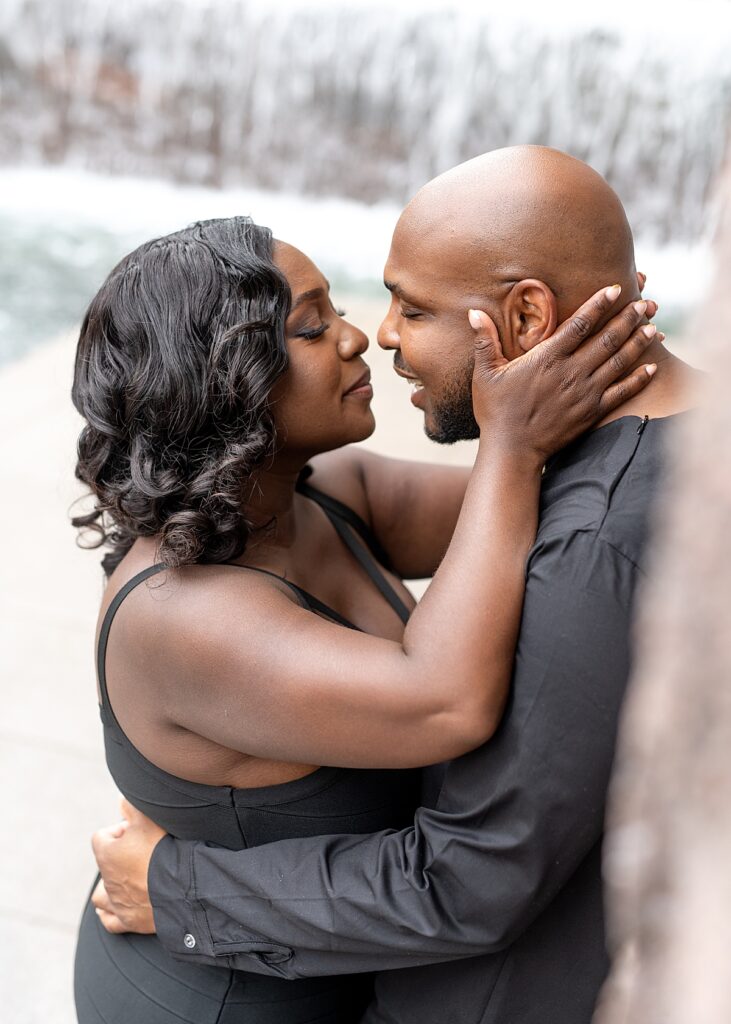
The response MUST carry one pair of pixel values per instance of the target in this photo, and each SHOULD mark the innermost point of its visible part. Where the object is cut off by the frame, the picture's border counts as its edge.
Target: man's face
(432, 287)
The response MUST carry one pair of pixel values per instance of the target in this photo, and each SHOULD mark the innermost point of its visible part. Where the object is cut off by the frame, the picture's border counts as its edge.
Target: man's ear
(532, 313)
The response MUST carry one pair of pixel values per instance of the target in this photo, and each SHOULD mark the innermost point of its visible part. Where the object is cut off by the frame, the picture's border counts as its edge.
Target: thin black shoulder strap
(309, 601)
(112, 610)
(342, 511)
(362, 555)
(342, 518)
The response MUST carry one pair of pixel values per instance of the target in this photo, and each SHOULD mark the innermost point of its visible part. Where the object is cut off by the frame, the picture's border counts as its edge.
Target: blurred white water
(274, 109)
(62, 230)
(370, 100)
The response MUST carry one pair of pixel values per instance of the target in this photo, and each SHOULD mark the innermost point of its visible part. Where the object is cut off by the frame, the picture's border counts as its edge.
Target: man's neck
(671, 390)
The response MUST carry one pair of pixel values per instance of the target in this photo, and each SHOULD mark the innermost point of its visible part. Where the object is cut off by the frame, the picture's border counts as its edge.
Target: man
(495, 892)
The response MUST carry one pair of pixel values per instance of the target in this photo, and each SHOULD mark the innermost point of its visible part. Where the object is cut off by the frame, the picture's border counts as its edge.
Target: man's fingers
(583, 323)
(641, 280)
(100, 897)
(111, 922)
(625, 389)
(100, 839)
(130, 813)
(118, 830)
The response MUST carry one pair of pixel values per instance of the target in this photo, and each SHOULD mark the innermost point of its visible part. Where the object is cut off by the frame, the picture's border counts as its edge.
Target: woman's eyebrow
(313, 293)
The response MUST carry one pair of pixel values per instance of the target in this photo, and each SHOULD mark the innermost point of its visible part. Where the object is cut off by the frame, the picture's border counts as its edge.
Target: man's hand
(123, 854)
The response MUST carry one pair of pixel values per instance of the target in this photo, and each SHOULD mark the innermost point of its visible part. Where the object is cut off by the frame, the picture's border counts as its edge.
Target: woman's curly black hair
(176, 360)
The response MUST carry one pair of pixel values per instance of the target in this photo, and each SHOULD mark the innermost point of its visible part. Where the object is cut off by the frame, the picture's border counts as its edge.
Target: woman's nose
(352, 342)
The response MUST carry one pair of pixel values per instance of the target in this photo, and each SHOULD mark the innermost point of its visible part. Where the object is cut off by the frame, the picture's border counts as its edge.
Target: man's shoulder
(598, 496)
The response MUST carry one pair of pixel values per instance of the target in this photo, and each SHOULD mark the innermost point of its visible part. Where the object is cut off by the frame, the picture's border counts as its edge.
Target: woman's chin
(362, 429)
(369, 425)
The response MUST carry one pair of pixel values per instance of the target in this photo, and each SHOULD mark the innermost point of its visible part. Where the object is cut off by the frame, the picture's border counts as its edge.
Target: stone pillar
(668, 860)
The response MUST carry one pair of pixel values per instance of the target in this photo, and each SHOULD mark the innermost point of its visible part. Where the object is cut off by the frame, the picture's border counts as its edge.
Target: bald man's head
(527, 212)
(525, 233)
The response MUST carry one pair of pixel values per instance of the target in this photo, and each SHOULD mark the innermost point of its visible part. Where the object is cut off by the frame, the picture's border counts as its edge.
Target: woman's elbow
(468, 726)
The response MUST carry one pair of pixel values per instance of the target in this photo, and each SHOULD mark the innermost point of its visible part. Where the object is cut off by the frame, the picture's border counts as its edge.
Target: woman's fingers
(603, 348)
(489, 358)
(489, 354)
(619, 393)
(621, 361)
(574, 331)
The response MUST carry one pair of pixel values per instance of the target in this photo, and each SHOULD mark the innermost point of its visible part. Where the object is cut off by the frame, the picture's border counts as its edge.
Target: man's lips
(362, 385)
(406, 376)
(417, 388)
(410, 377)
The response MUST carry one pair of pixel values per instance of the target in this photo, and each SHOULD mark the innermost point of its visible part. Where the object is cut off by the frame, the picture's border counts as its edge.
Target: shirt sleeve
(514, 818)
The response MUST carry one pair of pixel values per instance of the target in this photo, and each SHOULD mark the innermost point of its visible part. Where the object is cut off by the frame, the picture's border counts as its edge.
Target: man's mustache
(399, 364)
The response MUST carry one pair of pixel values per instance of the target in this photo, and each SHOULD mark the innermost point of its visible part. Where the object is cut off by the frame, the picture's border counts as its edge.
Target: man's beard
(452, 415)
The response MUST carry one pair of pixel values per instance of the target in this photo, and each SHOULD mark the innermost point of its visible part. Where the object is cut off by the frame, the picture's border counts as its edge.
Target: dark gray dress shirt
(500, 875)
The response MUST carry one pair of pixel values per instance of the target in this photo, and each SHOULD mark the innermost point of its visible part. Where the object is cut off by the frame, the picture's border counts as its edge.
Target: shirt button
(189, 940)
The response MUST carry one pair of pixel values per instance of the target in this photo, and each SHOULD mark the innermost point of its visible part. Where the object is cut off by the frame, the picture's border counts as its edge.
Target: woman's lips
(362, 387)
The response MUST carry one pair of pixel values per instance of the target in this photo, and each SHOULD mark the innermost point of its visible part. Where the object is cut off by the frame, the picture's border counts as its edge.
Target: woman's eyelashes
(317, 330)
(310, 333)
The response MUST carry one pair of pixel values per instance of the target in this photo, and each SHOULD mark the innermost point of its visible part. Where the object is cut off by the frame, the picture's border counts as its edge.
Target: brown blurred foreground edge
(668, 861)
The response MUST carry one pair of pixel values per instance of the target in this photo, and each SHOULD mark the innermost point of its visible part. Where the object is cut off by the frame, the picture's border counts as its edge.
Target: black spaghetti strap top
(325, 802)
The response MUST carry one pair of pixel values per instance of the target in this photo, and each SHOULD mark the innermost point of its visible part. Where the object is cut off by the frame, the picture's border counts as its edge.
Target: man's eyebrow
(400, 292)
(313, 293)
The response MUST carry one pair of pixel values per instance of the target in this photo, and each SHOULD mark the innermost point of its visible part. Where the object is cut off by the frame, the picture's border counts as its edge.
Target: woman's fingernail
(660, 336)
(640, 307)
(651, 369)
(475, 319)
(649, 330)
(613, 293)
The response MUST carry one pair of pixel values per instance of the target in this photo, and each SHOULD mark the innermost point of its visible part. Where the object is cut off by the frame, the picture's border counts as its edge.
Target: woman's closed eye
(310, 333)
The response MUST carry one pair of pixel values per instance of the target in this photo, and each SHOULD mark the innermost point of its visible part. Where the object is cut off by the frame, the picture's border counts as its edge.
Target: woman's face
(323, 401)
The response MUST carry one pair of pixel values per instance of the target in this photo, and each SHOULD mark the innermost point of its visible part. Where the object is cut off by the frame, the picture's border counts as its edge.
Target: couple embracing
(271, 695)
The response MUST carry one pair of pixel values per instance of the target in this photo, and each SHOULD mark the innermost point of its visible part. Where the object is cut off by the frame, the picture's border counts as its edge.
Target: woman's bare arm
(249, 669)
(412, 507)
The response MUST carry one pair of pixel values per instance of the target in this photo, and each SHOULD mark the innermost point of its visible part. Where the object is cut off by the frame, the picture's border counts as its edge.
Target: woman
(255, 627)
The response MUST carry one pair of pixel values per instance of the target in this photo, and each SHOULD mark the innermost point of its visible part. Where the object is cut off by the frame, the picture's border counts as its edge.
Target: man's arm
(514, 818)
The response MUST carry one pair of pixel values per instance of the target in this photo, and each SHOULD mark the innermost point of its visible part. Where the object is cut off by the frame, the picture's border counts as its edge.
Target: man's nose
(388, 336)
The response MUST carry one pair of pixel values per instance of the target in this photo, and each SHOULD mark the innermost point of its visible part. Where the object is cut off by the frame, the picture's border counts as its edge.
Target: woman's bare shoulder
(174, 611)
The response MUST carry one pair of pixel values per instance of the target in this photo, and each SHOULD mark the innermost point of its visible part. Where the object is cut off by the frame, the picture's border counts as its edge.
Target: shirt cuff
(180, 920)
(182, 924)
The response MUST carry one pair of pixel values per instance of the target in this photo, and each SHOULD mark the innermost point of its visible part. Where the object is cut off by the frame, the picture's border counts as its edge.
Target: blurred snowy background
(119, 121)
